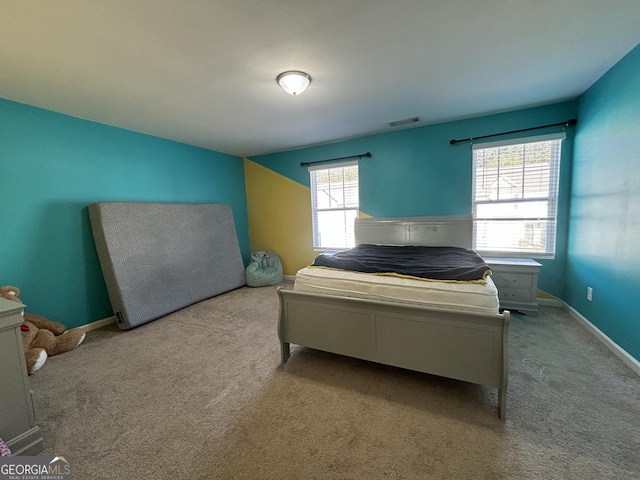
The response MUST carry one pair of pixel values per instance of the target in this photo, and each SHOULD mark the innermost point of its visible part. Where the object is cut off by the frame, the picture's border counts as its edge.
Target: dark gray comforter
(434, 263)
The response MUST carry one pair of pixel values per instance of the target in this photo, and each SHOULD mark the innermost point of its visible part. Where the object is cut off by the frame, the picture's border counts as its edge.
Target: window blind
(334, 205)
(515, 195)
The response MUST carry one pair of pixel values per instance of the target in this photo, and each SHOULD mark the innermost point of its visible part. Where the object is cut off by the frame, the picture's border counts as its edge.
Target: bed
(446, 338)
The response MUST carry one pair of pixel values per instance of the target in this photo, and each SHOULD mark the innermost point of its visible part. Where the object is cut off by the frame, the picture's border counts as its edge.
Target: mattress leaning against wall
(157, 258)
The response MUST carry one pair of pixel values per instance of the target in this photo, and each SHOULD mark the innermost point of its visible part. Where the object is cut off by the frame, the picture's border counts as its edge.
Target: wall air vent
(405, 121)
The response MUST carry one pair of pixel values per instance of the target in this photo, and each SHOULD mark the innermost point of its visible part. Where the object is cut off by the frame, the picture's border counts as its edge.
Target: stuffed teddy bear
(42, 337)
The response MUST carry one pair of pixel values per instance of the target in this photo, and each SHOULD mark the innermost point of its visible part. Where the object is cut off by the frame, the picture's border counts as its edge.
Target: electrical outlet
(589, 293)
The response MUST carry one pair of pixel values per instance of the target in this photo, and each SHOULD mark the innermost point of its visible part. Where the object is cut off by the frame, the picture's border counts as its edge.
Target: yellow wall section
(279, 216)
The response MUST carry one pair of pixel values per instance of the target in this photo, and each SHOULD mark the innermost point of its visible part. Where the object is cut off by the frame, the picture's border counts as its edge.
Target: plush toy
(42, 337)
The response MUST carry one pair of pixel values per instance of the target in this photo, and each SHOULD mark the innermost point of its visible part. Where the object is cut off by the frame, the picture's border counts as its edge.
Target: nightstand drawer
(507, 279)
(510, 295)
(517, 283)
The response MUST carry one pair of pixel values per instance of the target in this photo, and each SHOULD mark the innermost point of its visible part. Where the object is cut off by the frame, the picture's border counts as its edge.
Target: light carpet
(201, 394)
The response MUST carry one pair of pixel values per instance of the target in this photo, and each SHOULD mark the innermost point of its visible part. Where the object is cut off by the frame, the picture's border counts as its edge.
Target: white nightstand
(517, 282)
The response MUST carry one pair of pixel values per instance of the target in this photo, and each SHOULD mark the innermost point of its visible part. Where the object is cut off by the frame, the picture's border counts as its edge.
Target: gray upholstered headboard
(452, 231)
(157, 258)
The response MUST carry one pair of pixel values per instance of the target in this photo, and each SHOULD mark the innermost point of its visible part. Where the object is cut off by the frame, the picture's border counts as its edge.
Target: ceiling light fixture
(294, 82)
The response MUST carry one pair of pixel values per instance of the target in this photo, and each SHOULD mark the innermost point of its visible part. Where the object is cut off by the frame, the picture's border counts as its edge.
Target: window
(515, 196)
(334, 205)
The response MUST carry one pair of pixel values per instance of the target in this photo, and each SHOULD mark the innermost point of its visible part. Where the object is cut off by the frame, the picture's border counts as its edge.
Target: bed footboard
(460, 345)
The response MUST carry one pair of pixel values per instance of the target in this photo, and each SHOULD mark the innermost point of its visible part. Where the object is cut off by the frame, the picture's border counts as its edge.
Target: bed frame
(461, 345)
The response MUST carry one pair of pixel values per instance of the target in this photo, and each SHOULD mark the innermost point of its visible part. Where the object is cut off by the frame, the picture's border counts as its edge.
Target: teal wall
(54, 165)
(417, 172)
(604, 237)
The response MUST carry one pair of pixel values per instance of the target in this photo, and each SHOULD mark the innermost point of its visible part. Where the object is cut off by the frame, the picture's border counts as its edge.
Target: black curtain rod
(306, 164)
(568, 123)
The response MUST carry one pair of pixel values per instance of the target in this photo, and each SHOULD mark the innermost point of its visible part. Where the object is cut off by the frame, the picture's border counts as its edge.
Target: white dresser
(517, 282)
(17, 417)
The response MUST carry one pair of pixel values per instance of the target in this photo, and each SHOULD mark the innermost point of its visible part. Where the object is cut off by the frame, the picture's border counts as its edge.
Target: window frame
(316, 237)
(551, 199)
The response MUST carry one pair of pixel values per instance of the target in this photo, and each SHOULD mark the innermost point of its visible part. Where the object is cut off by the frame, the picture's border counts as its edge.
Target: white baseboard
(289, 278)
(550, 302)
(610, 344)
(98, 324)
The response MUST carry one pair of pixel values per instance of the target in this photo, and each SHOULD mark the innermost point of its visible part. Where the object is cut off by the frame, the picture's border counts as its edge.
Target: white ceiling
(204, 72)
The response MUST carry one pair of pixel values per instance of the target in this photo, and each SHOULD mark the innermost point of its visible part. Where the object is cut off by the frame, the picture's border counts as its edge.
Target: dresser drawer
(510, 295)
(506, 279)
